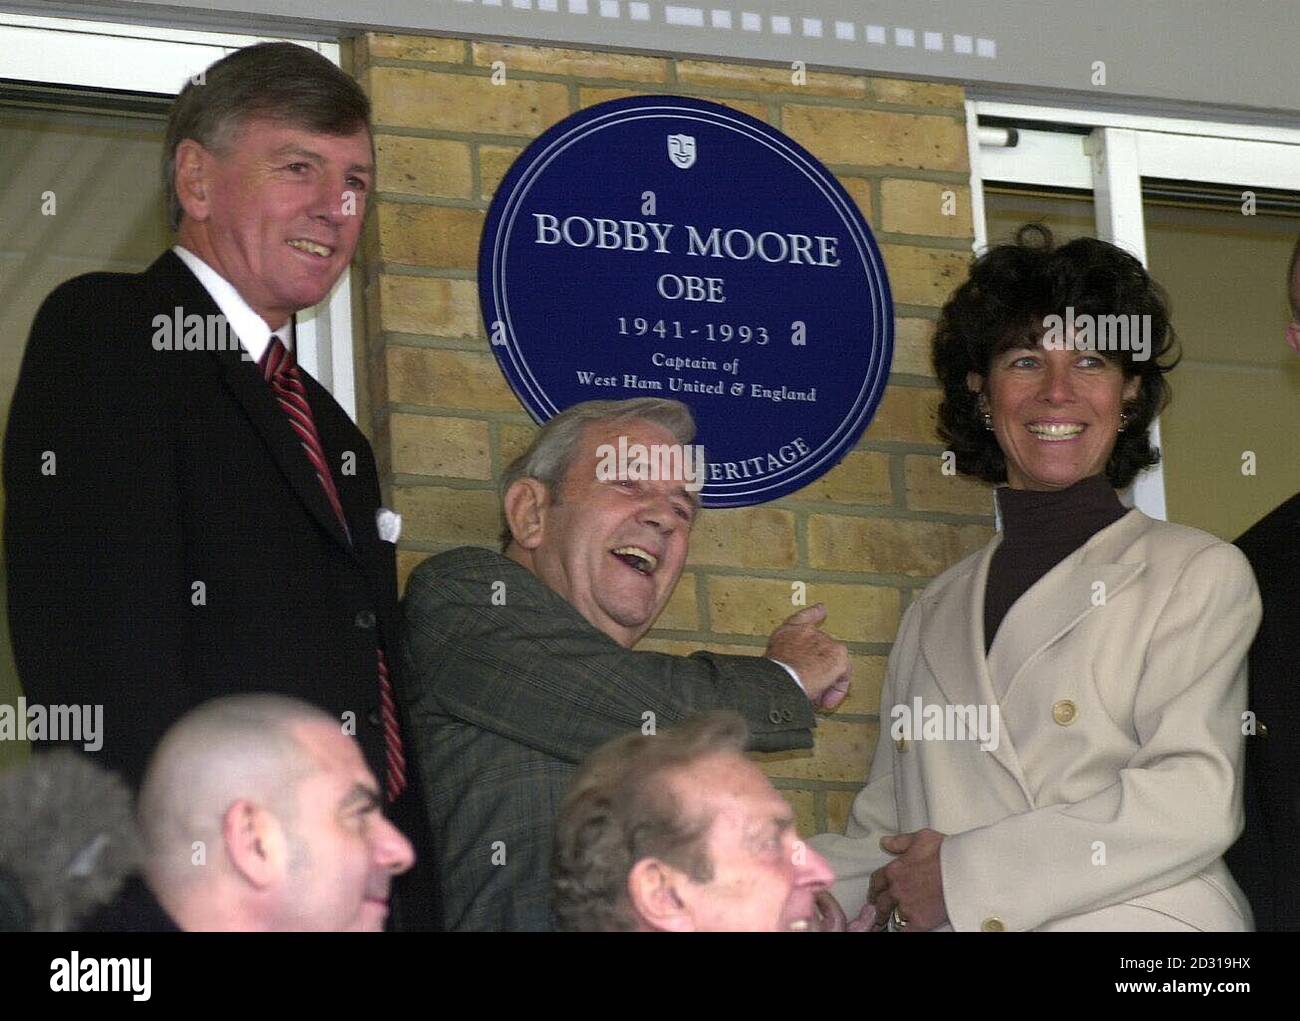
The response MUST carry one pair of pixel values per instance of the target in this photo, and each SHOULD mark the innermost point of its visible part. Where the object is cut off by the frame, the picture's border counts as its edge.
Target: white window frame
(1110, 161)
(135, 58)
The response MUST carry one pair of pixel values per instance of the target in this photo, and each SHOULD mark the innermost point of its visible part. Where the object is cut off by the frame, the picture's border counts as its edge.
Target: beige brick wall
(864, 538)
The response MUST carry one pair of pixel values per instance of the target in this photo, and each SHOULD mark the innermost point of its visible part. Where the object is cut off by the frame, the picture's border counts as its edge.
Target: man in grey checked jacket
(521, 664)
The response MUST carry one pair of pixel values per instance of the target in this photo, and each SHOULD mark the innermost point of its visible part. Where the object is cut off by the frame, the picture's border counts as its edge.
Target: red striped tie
(281, 371)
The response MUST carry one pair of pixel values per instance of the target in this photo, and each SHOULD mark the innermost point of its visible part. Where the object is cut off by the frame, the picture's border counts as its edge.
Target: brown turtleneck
(1039, 530)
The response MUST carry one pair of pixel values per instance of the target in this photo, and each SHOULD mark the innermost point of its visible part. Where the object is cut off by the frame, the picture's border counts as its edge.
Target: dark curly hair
(1011, 290)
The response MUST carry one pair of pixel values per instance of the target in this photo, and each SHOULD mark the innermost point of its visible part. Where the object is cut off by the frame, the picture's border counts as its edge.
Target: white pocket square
(389, 524)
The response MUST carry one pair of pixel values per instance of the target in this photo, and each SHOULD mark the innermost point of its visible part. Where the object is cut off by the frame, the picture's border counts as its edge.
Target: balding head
(258, 812)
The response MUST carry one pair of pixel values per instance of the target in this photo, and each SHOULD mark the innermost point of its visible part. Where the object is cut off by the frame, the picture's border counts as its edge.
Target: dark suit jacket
(1266, 860)
(508, 689)
(168, 541)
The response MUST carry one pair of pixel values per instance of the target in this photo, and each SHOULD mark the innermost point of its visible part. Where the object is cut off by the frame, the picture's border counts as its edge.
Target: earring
(1123, 421)
(984, 414)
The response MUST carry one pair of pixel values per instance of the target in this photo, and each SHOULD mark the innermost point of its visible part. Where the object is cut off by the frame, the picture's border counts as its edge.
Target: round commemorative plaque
(661, 246)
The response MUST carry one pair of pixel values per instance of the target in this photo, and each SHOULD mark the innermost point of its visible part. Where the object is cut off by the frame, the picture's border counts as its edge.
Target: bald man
(259, 814)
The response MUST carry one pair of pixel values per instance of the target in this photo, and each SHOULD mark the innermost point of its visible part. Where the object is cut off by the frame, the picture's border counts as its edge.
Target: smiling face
(343, 851)
(765, 879)
(1056, 413)
(613, 548)
(278, 214)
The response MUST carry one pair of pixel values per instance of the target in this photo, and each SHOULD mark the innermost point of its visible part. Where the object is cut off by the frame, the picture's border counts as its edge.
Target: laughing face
(1056, 413)
(614, 548)
(278, 214)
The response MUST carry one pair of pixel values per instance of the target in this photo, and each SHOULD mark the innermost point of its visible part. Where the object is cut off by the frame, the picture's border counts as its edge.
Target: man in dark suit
(188, 514)
(1264, 859)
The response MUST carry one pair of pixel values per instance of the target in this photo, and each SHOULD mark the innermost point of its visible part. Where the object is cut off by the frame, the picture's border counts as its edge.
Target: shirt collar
(251, 329)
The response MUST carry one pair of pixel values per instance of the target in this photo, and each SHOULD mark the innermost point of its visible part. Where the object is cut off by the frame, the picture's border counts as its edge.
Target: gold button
(1064, 712)
(993, 924)
(901, 744)
(1261, 729)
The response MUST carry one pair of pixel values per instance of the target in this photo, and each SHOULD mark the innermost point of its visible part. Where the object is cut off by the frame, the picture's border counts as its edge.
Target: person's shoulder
(455, 568)
(1185, 549)
(94, 289)
(1274, 534)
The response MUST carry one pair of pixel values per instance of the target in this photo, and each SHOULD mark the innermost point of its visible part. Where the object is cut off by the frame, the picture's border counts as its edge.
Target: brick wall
(864, 538)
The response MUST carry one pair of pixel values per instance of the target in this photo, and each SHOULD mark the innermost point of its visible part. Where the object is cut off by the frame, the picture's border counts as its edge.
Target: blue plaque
(671, 247)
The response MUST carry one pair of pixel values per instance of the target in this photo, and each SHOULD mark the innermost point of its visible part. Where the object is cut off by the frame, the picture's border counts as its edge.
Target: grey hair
(555, 446)
(622, 809)
(280, 81)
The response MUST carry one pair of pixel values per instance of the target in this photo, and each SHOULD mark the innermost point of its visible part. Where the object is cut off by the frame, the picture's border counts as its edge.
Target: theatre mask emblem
(681, 150)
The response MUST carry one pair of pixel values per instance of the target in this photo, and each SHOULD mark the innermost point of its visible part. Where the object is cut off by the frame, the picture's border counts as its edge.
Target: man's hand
(912, 882)
(821, 662)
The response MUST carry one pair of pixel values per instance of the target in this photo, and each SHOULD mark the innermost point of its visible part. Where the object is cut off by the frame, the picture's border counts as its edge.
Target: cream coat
(1115, 785)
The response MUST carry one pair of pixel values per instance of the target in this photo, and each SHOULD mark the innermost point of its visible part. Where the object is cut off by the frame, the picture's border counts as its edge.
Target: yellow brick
(746, 537)
(442, 308)
(493, 163)
(576, 63)
(591, 96)
(433, 445)
(681, 612)
(859, 189)
(924, 276)
(513, 441)
(434, 236)
(755, 606)
(912, 339)
(415, 47)
(841, 753)
(452, 517)
(889, 546)
(451, 379)
(864, 693)
(875, 138)
(928, 488)
(906, 415)
(423, 166)
(408, 561)
(805, 811)
(906, 93)
(754, 78)
(413, 98)
(917, 207)
(862, 478)
(839, 804)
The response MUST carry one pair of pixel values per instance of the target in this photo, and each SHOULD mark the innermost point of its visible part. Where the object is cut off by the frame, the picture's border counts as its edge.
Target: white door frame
(135, 58)
(1110, 161)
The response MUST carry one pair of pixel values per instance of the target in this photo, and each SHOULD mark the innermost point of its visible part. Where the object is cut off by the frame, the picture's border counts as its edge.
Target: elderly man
(259, 814)
(522, 664)
(681, 833)
(185, 507)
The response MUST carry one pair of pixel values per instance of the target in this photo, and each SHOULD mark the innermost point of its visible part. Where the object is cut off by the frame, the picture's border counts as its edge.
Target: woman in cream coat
(1105, 650)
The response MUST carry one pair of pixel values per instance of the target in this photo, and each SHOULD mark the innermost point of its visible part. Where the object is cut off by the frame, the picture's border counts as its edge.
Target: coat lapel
(1082, 584)
(952, 643)
(243, 377)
